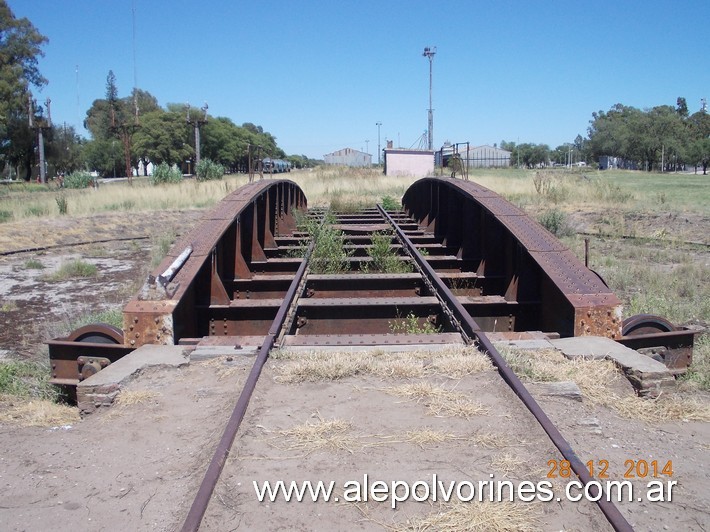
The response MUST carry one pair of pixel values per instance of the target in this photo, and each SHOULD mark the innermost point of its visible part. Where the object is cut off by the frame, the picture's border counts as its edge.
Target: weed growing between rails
(329, 253)
(384, 257)
(411, 324)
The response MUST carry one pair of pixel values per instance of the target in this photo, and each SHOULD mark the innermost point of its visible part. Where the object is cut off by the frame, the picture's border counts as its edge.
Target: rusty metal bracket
(89, 365)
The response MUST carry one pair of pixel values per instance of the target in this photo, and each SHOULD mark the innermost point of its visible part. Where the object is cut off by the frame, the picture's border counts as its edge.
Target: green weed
(160, 248)
(699, 372)
(33, 264)
(555, 221)
(390, 204)
(78, 180)
(62, 204)
(384, 257)
(412, 325)
(26, 379)
(8, 307)
(329, 253)
(74, 269)
(36, 210)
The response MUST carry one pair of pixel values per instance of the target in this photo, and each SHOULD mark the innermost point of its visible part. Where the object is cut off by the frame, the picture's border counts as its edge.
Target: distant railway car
(276, 166)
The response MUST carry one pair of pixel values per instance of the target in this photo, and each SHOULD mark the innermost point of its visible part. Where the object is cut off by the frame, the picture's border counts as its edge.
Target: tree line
(663, 138)
(124, 131)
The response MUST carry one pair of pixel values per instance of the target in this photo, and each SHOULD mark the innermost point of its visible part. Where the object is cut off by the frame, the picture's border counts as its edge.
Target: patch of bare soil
(129, 468)
(664, 225)
(35, 308)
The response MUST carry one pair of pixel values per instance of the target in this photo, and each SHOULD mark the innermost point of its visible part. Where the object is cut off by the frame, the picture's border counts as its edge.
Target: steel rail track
(460, 319)
(471, 330)
(214, 470)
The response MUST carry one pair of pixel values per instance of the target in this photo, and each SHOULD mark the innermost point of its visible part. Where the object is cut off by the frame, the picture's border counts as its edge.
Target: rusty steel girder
(202, 270)
(554, 291)
(226, 246)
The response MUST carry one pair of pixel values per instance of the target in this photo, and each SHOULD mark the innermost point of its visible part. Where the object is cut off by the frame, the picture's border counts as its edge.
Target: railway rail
(468, 264)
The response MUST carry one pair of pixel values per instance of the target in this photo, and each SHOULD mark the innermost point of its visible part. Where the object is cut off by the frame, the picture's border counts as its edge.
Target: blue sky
(319, 75)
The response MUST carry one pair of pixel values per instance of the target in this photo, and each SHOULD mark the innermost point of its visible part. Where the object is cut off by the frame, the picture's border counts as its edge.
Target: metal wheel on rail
(95, 333)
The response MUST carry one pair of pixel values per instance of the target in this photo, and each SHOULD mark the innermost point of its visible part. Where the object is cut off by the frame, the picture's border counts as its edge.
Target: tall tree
(20, 47)
(64, 149)
(163, 137)
(114, 117)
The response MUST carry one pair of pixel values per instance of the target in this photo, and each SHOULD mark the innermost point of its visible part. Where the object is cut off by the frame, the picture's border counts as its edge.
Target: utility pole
(125, 130)
(197, 123)
(429, 53)
(40, 127)
(379, 151)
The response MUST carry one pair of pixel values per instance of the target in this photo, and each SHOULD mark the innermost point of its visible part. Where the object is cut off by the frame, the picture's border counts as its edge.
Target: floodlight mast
(378, 124)
(429, 53)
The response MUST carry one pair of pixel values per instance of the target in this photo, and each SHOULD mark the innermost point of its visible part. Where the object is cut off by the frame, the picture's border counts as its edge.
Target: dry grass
(490, 440)
(439, 401)
(662, 409)
(224, 368)
(36, 413)
(348, 189)
(324, 434)
(595, 379)
(477, 517)
(134, 397)
(507, 463)
(423, 437)
(317, 366)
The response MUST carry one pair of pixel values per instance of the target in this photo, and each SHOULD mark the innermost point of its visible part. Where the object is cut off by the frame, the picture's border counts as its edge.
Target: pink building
(413, 163)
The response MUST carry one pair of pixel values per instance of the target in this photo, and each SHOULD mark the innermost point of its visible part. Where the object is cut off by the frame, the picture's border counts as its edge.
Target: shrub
(208, 170)
(389, 203)
(62, 204)
(78, 180)
(555, 221)
(164, 173)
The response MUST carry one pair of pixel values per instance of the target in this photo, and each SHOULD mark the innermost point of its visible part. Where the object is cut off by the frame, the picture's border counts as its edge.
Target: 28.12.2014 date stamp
(632, 469)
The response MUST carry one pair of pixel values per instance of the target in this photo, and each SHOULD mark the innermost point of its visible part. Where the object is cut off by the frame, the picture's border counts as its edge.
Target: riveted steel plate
(531, 235)
(569, 275)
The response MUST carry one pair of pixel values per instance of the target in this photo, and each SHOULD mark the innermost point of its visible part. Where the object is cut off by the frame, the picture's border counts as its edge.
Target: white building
(348, 157)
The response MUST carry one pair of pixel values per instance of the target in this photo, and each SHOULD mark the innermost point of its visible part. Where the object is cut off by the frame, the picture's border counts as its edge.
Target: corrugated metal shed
(348, 157)
(486, 156)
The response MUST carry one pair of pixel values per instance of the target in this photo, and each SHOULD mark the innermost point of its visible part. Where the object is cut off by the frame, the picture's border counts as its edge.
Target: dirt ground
(138, 466)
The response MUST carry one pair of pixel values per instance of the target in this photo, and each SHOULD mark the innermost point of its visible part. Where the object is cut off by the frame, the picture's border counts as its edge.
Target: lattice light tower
(429, 52)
